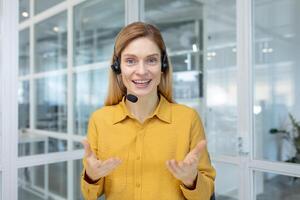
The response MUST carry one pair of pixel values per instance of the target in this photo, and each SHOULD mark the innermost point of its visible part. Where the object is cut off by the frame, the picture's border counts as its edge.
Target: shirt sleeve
(91, 191)
(206, 173)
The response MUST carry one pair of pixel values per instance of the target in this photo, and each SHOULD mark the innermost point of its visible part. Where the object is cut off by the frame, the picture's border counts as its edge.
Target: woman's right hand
(96, 168)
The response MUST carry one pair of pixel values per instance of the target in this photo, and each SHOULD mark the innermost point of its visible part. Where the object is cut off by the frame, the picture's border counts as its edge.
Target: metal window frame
(9, 104)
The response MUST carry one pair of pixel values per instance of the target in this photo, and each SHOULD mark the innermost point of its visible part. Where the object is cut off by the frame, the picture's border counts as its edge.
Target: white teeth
(141, 81)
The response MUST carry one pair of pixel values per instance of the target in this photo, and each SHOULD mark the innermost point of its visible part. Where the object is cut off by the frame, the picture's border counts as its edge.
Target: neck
(144, 107)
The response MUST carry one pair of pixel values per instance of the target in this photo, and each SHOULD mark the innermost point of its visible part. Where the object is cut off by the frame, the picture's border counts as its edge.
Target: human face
(141, 67)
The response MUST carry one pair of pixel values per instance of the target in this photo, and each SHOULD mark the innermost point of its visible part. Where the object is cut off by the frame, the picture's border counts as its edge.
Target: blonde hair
(116, 88)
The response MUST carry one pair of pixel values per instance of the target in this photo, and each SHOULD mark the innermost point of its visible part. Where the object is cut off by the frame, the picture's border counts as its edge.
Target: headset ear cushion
(116, 66)
(165, 64)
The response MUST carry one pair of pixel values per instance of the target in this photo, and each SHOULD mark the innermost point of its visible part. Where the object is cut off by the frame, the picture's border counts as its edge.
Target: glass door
(276, 72)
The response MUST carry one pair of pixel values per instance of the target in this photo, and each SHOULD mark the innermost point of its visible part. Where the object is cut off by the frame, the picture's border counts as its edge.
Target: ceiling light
(55, 29)
(195, 49)
(25, 14)
(267, 50)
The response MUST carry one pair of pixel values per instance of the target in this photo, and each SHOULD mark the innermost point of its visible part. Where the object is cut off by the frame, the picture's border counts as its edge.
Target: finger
(110, 160)
(87, 148)
(168, 163)
(199, 148)
(110, 166)
(111, 163)
(175, 167)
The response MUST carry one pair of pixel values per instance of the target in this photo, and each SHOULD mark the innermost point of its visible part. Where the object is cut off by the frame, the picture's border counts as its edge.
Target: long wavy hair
(116, 88)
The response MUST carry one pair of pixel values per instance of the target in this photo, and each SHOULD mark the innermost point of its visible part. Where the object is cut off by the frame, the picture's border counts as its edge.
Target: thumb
(199, 148)
(87, 148)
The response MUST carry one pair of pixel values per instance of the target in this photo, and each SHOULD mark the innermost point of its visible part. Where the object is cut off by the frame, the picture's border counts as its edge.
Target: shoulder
(183, 111)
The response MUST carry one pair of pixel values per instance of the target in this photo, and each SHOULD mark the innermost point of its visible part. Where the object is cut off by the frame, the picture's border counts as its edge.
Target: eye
(130, 61)
(152, 61)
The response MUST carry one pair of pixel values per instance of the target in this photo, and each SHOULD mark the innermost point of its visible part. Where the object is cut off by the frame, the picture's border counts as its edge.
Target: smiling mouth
(142, 82)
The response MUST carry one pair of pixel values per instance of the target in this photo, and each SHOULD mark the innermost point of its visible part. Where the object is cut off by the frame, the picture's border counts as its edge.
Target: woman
(142, 145)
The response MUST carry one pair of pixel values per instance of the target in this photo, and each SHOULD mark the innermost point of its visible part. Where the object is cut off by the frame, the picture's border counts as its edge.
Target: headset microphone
(132, 98)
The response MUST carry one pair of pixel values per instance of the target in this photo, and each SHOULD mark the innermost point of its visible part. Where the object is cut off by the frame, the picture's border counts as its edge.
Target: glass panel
(269, 186)
(51, 104)
(201, 40)
(89, 91)
(33, 143)
(24, 52)
(276, 89)
(226, 190)
(77, 145)
(221, 77)
(23, 102)
(51, 43)
(78, 166)
(43, 182)
(24, 11)
(41, 5)
(182, 29)
(95, 28)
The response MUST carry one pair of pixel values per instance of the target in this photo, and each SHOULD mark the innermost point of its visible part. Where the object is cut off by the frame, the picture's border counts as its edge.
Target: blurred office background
(236, 62)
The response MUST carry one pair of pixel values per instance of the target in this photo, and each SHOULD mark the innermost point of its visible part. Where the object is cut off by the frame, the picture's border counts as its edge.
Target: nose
(141, 69)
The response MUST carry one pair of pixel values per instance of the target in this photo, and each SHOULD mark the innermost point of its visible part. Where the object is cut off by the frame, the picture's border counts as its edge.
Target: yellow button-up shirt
(169, 133)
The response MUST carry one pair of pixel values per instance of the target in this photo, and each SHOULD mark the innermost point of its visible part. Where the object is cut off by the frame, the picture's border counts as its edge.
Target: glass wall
(23, 100)
(24, 52)
(226, 190)
(221, 77)
(269, 186)
(276, 86)
(183, 36)
(276, 94)
(51, 43)
(90, 92)
(43, 96)
(42, 5)
(95, 28)
(78, 166)
(51, 103)
(43, 182)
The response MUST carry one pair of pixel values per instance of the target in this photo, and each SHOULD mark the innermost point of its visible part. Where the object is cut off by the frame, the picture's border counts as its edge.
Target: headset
(116, 66)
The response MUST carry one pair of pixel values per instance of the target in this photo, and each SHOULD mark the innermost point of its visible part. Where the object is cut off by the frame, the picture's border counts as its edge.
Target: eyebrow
(132, 55)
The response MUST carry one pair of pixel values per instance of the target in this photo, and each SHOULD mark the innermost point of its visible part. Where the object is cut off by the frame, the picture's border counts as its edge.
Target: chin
(142, 93)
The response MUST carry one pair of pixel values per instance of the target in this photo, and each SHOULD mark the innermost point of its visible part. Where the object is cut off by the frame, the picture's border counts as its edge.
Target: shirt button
(138, 185)
(138, 157)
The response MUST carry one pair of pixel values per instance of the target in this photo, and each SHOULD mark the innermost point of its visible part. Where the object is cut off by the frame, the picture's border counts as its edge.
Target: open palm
(186, 170)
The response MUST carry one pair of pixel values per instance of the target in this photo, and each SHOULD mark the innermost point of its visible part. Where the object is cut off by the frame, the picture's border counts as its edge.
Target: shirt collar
(162, 111)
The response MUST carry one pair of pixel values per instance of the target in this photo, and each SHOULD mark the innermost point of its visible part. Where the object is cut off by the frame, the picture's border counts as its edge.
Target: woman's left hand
(187, 170)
